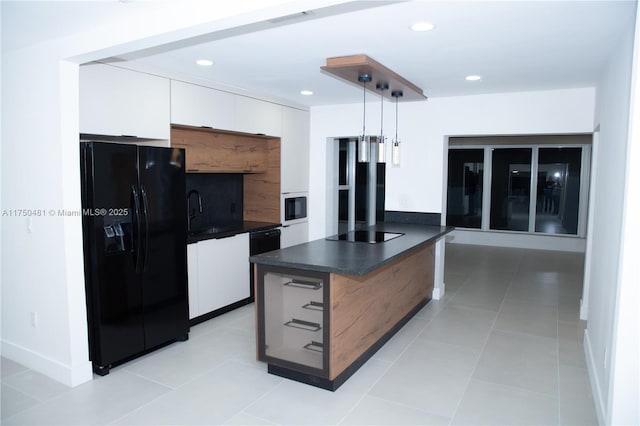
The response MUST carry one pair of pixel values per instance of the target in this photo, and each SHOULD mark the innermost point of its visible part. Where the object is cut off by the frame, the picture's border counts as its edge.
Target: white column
(438, 279)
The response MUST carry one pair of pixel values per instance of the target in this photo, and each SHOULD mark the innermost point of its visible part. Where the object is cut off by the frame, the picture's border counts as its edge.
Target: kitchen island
(324, 307)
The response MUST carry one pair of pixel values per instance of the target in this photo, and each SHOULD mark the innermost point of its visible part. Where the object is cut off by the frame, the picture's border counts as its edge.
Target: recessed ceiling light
(473, 78)
(204, 62)
(422, 26)
(306, 92)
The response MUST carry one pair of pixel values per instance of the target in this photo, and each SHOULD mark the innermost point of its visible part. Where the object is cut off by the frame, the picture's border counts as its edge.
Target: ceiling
(514, 45)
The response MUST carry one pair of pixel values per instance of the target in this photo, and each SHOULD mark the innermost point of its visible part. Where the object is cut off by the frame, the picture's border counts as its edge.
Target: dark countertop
(353, 258)
(229, 230)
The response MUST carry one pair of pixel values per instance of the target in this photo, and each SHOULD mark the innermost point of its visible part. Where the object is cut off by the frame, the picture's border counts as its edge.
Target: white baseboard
(596, 389)
(518, 240)
(437, 293)
(49, 367)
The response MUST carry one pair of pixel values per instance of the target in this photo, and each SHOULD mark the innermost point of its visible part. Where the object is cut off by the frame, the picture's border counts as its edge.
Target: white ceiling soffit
(296, 18)
(29, 22)
(512, 45)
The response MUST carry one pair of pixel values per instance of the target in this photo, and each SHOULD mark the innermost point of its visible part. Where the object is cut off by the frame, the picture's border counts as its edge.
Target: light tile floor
(503, 347)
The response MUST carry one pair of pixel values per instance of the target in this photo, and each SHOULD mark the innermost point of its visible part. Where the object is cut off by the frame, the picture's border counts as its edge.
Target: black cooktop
(371, 237)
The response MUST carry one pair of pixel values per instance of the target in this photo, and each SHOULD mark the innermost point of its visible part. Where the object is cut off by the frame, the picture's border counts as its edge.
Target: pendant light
(395, 144)
(381, 139)
(364, 141)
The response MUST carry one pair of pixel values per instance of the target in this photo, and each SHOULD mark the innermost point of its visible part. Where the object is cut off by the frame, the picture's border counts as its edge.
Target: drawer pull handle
(314, 346)
(314, 306)
(303, 325)
(311, 285)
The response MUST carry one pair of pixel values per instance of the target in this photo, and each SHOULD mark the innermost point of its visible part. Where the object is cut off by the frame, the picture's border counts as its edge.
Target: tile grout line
(267, 392)
(261, 397)
(251, 415)
(484, 346)
(558, 359)
(366, 392)
(138, 408)
(422, 410)
(391, 364)
(39, 400)
(517, 388)
(156, 382)
(38, 403)
(169, 388)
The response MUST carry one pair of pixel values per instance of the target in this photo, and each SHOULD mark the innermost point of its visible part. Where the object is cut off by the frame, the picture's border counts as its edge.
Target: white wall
(417, 185)
(611, 337)
(42, 270)
(624, 392)
(34, 273)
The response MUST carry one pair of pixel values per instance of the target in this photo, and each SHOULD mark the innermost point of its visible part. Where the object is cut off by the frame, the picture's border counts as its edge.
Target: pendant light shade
(364, 149)
(382, 148)
(364, 145)
(395, 153)
(381, 145)
(395, 144)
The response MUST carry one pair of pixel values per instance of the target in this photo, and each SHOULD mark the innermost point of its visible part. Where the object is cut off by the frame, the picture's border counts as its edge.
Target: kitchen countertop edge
(354, 258)
(247, 226)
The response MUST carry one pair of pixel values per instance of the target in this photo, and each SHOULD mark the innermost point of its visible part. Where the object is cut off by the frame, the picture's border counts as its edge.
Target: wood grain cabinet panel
(364, 309)
(256, 157)
(262, 190)
(211, 151)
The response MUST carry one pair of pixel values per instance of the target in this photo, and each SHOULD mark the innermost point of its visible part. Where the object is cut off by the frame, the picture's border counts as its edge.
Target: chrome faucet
(192, 212)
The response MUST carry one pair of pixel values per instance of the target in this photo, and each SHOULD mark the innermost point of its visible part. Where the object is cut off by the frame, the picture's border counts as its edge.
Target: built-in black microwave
(294, 207)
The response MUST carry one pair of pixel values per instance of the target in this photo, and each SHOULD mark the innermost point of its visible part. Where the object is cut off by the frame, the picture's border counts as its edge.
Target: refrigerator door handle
(145, 209)
(136, 227)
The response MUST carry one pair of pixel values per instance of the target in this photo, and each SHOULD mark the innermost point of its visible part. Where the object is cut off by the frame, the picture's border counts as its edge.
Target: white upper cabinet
(116, 101)
(255, 116)
(294, 151)
(195, 105)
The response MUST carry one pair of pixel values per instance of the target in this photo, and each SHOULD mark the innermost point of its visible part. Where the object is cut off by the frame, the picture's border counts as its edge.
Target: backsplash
(221, 196)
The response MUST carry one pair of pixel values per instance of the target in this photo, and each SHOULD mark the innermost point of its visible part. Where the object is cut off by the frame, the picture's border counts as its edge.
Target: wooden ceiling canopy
(348, 68)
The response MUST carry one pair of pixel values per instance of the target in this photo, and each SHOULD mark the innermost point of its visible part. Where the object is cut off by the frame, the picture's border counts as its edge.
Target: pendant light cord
(364, 106)
(396, 118)
(381, 112)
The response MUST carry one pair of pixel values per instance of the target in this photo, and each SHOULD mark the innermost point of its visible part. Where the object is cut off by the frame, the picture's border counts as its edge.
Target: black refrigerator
(134, 230)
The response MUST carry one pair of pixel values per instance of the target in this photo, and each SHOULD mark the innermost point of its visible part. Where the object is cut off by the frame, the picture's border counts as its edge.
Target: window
(558, 190)
(464, 197)
(523, 184)
(510, 189)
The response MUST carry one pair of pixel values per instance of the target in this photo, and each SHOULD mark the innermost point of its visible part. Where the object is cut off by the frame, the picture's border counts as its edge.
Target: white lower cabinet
(219, 271)
(294, 234)
(192, 274)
